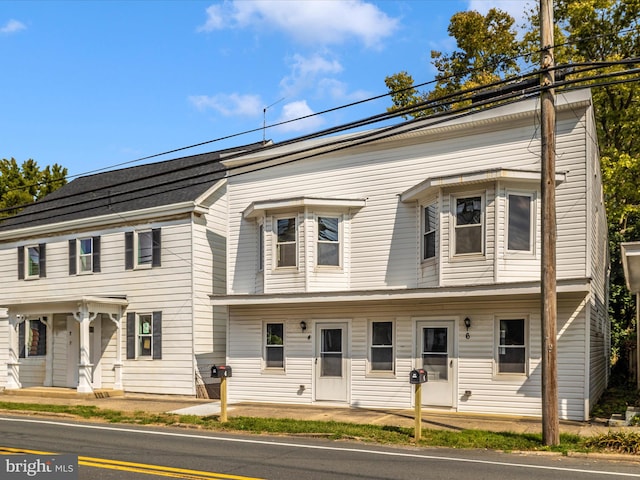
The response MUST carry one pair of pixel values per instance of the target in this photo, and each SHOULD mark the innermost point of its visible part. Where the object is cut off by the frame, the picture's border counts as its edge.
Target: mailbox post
(418, 377)
(222, 372)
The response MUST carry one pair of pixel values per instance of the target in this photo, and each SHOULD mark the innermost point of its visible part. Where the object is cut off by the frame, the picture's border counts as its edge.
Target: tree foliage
(585, 31)
(26, 183)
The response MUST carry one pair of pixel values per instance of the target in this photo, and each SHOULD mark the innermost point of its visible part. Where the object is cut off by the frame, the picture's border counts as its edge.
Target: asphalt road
(109, 452)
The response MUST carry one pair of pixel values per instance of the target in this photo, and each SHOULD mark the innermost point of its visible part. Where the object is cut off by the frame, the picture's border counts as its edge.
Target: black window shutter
(128, 250)
(96, 254)
(22, 348)
(157, 247)
(131, 335)
(157, 335)
(72, 257)
(43, 259)
(20, 263)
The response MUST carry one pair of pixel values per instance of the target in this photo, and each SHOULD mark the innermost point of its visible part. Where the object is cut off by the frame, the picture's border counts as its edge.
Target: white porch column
(13, 363)
(85, 368)
(117, 366)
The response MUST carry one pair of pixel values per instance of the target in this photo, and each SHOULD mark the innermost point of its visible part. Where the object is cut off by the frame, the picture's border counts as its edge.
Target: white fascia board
(581, 285)
(104, 220)
(213, 189)
(428, 186)
(257, 209)
(631, 264)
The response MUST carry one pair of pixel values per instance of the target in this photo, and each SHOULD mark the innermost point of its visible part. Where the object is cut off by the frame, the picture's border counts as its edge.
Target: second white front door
(331, 362)
(435, 342)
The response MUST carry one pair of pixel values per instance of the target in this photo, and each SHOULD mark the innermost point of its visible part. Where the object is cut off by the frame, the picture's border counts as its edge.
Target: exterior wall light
(303, 325)
(467, 323)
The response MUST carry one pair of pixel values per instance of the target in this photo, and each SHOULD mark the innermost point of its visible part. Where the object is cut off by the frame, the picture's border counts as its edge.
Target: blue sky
(94, 84)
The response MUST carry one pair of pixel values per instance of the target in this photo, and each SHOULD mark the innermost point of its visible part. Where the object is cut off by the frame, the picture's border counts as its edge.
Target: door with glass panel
(436, 355)
(331, 362)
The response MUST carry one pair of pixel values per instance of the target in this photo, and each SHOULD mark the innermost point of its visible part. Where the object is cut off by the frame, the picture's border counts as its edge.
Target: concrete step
(59, 392)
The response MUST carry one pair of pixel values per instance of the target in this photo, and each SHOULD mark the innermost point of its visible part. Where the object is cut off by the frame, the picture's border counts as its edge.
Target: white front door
(331, 362)
(436, 356)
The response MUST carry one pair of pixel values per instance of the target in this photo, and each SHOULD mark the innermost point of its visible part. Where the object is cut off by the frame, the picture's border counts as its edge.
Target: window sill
(273, 371)
(509, 377)
(381, 374)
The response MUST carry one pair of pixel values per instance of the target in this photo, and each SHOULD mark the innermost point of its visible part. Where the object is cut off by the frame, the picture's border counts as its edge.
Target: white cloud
(233, 104)
(338, 91)
(314, 22)
(12, 26)
(294, 110)
(515, 8)
(305, 72)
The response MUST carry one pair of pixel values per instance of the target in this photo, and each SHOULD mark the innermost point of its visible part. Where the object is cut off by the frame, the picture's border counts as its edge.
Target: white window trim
(136, 249)
(454, 226)
(265, 368)
(79, 270)
(370, 370)
(423, 232)
(27, 275)
(532, 222)
(276, 244)
(527, 348)
(139, 336)
(261, 246)
(340, 241)
(27, 329)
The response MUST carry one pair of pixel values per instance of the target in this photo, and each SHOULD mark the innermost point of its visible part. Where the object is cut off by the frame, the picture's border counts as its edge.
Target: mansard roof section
(143, 187)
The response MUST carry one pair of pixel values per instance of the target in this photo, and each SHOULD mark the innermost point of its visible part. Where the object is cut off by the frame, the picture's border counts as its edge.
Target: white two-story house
(106, 281)
(352, 260)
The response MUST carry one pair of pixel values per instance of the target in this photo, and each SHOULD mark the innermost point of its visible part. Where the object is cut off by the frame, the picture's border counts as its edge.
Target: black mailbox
(418, 376)
(221, 371)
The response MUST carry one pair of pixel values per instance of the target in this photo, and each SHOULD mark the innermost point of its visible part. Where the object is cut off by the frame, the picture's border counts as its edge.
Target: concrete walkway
(205, 407)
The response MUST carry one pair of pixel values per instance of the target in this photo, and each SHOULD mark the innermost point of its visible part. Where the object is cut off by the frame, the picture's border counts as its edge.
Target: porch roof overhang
(631, 264)
(431, 185)
(420, 295)
(65, 304)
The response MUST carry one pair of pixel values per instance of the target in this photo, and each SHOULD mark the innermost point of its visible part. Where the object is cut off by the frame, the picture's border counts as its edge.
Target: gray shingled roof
(135, 188)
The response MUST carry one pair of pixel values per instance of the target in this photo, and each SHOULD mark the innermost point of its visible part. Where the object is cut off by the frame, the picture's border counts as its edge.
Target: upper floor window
(382, 346)
(32, 338)
(144, 335)
(32, 261)
(286, 245)
(468, 225)
(430, 224)
(142, 248)
(519, 229)
(84, 255)
(274, 345)
(512, 346)
(328, 241)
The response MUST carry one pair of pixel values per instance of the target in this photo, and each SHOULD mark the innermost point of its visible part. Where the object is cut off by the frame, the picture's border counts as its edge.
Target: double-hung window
(286, 244)
(84, 255)
(142, 249)
(32, 261)
(144, 335)
(512, 346)
(329, 241)
(468, 225)
(274, 345)
(429, 227)
(519, 219)
(32, 338)
(382, 346)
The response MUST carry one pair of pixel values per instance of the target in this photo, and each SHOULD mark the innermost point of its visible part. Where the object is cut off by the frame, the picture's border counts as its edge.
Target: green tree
(26, 183)
(585, 31)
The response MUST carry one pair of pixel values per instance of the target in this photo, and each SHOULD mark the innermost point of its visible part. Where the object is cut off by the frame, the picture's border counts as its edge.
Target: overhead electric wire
(443, 101)
(363, 138)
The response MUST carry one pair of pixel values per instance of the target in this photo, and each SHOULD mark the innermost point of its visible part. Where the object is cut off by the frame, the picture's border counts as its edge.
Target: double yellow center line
(135, 467)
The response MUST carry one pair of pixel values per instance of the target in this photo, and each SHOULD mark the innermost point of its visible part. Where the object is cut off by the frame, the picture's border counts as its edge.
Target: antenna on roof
(264, 120)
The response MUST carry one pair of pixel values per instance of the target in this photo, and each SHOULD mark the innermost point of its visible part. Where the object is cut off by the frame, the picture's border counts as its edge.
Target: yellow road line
(137, 467)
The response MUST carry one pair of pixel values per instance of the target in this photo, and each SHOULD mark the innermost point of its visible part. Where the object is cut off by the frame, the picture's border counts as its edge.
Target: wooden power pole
(549, 309)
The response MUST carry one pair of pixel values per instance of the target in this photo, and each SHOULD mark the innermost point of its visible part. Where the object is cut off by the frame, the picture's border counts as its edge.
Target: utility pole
(549, 308)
